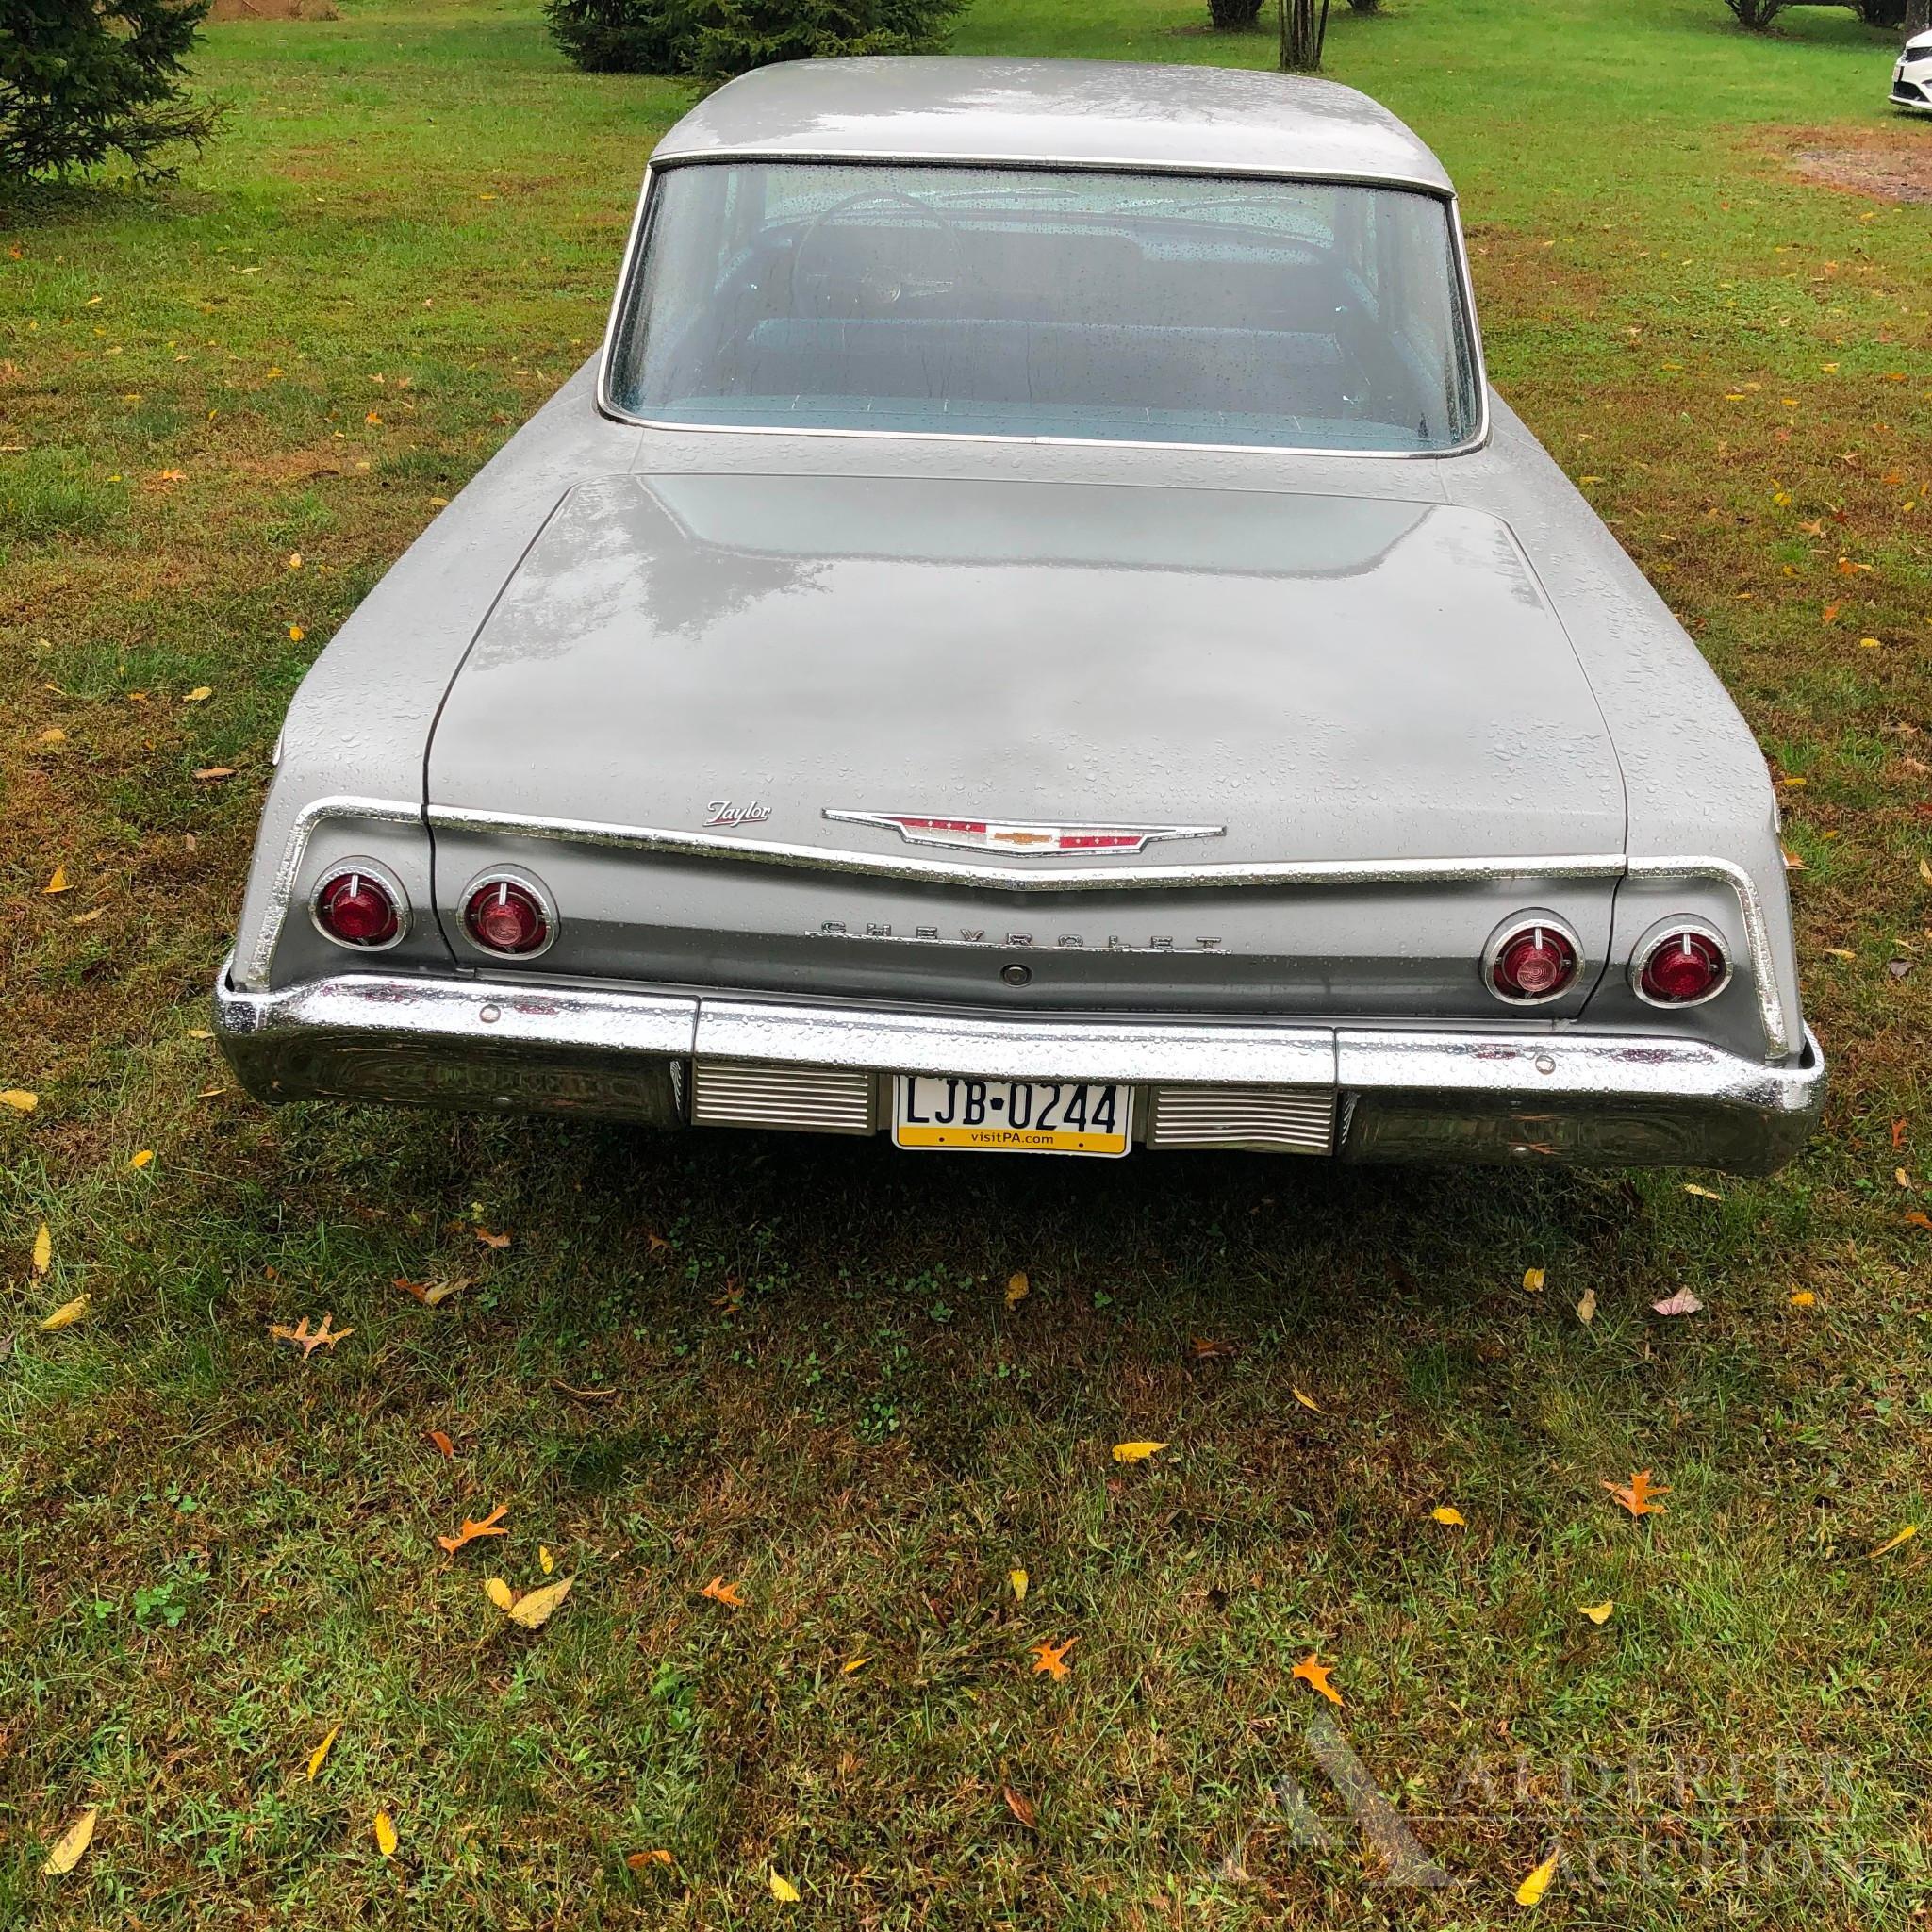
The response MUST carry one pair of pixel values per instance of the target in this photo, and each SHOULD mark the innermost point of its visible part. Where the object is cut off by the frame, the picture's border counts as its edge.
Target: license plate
(1015, 1117)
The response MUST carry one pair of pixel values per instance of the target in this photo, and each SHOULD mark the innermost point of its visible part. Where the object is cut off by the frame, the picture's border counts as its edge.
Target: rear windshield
(1030, 302)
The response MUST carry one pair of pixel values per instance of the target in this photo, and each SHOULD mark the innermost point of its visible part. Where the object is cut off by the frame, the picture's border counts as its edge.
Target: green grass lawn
(795, 1364)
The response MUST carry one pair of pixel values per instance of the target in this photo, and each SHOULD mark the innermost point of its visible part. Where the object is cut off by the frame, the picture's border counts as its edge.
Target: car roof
(1091, 113)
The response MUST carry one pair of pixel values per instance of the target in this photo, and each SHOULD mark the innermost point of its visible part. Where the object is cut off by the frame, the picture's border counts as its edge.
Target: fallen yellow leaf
(54, 736)
(489, 1240)
(67, 1314)
(1532, 1279)
(1048, 1656)
(1306, 1400)
(71, 1846)
(1446, 1512)
(1316, 1676)
(1017, 1287)
(212, 774)
(58, 881)
(545, 1559)
(1905, 1535)
(301, 1337)
(385, 1828)
(322, 1750)
(639, 1861)
(498, 1592)
(489, 1526)
(142, 1158)
(533, 1609)
(1532, 1888)
(1703, 1193)
(1596, 1612)
(1586, 1309)
(19, 1099)
(783, 1890)
(1136, 1452)
(43, 1251)
(434, 1294)
(853, 1664)
(719, 1591)
(1635, 1496)
(200, 695)
(1018, 1580)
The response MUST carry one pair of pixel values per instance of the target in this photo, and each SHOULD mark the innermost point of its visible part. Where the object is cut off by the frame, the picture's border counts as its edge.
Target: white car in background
(1912, 77)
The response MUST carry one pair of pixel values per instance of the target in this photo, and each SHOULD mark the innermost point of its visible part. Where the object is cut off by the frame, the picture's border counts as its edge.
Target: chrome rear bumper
(1361, 1092)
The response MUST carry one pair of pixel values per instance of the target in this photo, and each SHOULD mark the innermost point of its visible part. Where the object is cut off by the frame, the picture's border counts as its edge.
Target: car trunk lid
(1277, 678)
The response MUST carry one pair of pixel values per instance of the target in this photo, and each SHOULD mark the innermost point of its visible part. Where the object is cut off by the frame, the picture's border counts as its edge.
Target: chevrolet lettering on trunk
(1033, 635)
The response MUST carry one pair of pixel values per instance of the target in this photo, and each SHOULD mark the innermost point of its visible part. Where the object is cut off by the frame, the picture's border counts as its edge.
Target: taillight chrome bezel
(379, 875)
(1514, 927)
(515, 875)
(1660, 935)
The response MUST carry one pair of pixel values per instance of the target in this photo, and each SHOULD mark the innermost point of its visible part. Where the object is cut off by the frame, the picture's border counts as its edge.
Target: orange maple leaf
(719, 1591)
(490, 1526)
(1315, 1675)
(1635, 1496)
(301, 1336)
(1046, 1656)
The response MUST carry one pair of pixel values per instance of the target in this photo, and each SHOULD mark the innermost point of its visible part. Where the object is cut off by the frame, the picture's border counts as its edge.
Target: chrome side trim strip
(295, 847)
(912, 869)
(1777, 1040)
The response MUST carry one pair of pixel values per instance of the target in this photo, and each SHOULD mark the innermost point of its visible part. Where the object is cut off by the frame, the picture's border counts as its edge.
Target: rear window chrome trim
(1465, 289)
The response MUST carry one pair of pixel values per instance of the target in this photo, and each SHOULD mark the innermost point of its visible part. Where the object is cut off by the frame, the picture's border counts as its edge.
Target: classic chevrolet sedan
(1034, 634)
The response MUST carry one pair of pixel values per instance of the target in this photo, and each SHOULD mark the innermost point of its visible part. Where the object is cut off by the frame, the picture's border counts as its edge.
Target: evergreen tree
(83, 80)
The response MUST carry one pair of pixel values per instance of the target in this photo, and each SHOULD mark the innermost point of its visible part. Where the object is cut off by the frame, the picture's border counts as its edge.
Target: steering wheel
(888, 290)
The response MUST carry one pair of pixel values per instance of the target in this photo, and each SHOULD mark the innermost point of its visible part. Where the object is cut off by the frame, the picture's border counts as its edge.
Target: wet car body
(830, 745)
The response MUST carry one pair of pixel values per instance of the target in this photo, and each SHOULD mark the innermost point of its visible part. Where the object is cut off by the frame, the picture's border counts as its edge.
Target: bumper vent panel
(803, 1099)
(1282, 1121)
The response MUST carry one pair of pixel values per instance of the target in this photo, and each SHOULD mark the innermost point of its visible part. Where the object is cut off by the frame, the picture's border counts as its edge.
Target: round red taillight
(1535, 962)
(505, 916)
(1683, 967)
(354, 908)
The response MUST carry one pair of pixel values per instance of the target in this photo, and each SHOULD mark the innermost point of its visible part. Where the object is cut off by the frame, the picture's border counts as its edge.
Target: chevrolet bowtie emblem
(1034, 840)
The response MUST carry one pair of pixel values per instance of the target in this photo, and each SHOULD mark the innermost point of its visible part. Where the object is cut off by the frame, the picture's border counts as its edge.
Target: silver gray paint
(1093, 113)
(661, 562)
